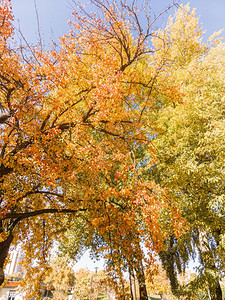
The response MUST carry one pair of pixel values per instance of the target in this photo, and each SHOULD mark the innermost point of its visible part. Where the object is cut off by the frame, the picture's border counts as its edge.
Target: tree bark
(214, 285)
(131, 285)
(141, 281)
(4, 250)
(215, 291)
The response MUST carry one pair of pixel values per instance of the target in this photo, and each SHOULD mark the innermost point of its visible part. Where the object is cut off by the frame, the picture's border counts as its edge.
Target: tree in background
(158, 283)
(60, 278)
(61, 281)
(189, 149)
(90, 285)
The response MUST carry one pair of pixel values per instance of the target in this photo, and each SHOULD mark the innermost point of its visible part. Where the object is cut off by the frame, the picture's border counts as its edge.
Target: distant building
(14, 267)
(14, 273)
(11, 292)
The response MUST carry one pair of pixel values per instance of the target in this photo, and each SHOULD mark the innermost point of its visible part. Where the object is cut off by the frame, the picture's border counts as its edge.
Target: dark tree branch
(4, 117)
(24, 215)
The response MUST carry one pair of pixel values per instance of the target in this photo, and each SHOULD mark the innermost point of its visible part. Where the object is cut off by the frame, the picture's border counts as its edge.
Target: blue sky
(53, 16)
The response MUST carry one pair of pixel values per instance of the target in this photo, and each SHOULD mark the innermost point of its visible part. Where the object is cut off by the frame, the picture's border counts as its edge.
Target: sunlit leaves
(108, 131)
(191, 134)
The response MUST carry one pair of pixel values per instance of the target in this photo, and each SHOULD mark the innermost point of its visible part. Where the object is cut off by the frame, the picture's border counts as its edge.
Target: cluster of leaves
(90, 284)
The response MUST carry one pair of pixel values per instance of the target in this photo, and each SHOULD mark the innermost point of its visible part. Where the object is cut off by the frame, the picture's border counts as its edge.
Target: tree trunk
(214, 284)
(4, 250)
(215, 291)
(131, 285)
(141, 282)
(168, 261)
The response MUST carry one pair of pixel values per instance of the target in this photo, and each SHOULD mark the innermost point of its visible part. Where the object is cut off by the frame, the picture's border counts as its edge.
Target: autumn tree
(71, 124)
(60, 278)
(158, 282)
(119, 126)
(189, 147)
(90, 285)
(184, 119)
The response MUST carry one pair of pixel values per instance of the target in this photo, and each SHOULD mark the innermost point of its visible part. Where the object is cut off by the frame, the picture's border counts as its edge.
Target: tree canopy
(116, 135)
(189, 149)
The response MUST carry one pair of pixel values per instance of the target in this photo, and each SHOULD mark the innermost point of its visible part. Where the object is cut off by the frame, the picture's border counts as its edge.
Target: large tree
(72, 119)
(190, 150)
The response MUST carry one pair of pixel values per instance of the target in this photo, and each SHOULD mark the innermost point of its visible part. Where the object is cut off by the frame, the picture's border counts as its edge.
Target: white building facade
(13, 273)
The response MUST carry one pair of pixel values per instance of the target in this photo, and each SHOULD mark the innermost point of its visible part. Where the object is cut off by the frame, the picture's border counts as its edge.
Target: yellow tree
(158, 283)
(90, 285)
(60, 278)
(189, 147)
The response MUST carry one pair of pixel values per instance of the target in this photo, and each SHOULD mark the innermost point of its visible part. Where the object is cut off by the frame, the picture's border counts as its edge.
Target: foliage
(60, 278)
(72, 121)
(158, 283)
(117, 134)
(189, 147)
(90, 284)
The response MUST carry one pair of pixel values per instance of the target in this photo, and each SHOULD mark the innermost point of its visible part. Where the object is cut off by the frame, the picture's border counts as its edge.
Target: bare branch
(38, 24)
